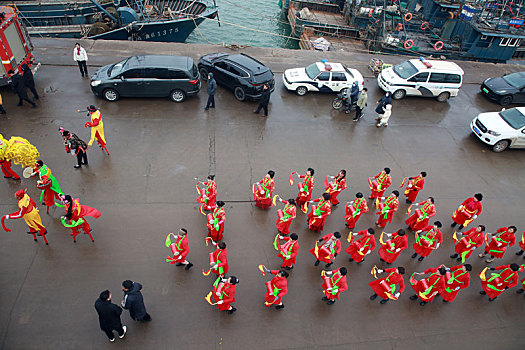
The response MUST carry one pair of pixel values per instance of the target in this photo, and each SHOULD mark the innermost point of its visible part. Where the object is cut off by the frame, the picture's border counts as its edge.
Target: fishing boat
(137, 20)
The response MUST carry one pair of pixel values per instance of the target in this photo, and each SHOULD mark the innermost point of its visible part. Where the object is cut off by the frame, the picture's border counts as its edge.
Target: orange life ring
(424, 25)
(370, 13)
(438, 45)
(408, 44)
(408, 17)
(451, 14)
(399, 27)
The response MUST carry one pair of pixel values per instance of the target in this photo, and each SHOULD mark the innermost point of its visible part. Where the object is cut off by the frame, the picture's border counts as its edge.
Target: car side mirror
(523, 131)
(503, 109)
(122, 78)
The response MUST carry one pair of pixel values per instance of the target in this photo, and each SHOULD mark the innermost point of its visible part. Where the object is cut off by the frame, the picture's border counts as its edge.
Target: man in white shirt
(81, 57)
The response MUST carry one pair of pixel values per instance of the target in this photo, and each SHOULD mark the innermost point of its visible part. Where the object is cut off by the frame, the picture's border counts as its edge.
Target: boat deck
(336, 43)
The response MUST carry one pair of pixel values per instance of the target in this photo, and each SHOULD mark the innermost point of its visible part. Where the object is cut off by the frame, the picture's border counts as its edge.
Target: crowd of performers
(22, 152)
(388, 283)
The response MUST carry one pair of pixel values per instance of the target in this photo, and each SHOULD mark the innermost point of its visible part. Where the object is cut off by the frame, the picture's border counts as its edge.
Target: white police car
(321, 76)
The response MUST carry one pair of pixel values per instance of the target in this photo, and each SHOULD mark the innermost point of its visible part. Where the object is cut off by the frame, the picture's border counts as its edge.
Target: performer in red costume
(328, 249)
(263, 191)
(317, 217)
(379, 183)
(390, 250)
(335, 187)
(286, 216)
(97, 128)
(288, 251)
(456, 279)
(522, 245)
(334, 283)
(497, 283)
(75, 216)
(48, 196)
(180, 248)
(387, 209)
(6, 169)
(276, 289)
(363, 246)
(224, 293)
(428, 287)
(305, 188)
(420, 218)
(429, 241)
(415, 184)
(219, 260)
(503, 238)
(468, 211)
(27, 210)
(216, 223)
(354, 209)
(208, 194)
(472, 239)
(385, 287)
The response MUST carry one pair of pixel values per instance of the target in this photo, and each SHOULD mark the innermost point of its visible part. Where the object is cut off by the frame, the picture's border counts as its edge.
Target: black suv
(241, 73)
(147, 76)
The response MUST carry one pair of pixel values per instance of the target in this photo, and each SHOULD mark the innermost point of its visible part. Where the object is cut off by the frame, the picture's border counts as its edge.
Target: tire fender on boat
(424, 25)
(408, 44)
(438, 45)
(408, 17)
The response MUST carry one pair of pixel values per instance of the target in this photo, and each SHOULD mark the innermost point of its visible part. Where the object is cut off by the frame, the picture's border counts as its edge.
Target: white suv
(420, 77)
(501, 129)
(323, 77)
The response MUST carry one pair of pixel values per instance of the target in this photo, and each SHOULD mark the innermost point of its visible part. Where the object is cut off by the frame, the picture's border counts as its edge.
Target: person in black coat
(29, 81)
(109, 316)
(134, 302)
(211, 88)
(264, 100)
(17, 82)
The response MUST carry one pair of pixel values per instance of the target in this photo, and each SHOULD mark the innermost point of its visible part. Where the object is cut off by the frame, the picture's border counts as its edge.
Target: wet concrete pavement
(146, 188)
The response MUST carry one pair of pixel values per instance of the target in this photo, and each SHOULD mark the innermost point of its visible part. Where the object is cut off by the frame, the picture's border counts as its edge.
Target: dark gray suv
(147, 76)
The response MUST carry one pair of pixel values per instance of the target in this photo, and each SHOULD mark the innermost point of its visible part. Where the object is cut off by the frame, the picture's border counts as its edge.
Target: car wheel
(239, 93)
(501, 145)
(505, 100)
(301, 90)
(204, 73)
(399, 94)
(177, 96)
(110, 95)
(442, 97)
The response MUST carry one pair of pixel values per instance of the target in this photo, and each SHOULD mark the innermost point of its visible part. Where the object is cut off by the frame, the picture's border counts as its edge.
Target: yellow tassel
(482, 274)
(261, 268)
(208, 298)
(349, 239)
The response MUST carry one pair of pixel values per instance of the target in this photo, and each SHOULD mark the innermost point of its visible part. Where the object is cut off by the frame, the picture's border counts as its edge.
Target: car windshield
(513, 117)
(515, 79)
(405, 70)
(263, 77)
(312, 71)
(116, 69)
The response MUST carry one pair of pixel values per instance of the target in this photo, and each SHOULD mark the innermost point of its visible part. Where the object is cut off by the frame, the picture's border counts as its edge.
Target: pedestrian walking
(2, 110)
(29, 80)
(264, 100)
(211, 88)
(351, 96)
(134, 302)
(361, 103)
(383, 118)
(75, 146)
(17, 82)
(109, 316)
(81, 57)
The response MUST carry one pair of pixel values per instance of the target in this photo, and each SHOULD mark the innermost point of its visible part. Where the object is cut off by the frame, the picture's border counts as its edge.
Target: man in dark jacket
(17, 81)
(264, 100)
(211, 88)
(76, 146)
(109, 316)
(28, 80)
(134, 302)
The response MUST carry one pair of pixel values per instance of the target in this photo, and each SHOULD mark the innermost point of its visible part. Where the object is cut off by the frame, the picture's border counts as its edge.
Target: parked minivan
(421, 77)
(147, 76)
